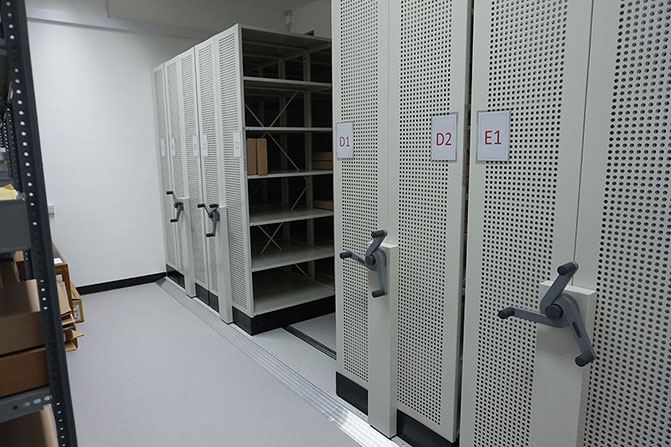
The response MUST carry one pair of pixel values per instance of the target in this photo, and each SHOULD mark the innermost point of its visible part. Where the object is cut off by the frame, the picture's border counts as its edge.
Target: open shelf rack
(27, 219)
(276, 86)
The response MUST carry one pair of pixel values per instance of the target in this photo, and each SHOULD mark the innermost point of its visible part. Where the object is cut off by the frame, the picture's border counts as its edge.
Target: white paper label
(162, 147)
(195, 145)
(344, 140)
(493, 136)
(444, 137)
(58, 261)
(203, 145)
(173, 149)
(237, 144)
(2, 149)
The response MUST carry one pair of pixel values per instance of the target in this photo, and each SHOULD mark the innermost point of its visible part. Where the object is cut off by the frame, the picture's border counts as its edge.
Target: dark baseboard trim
(417, 434)
(120, 284)
(202, 294)
(175, 276)
(283, 317)
(213, 301)
(352, 393)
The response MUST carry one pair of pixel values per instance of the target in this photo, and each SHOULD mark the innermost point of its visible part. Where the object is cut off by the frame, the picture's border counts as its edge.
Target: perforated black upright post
(27, 157)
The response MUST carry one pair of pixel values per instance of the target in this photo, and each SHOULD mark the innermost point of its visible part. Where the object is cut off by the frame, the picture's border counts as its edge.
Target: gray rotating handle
(557, 309)
(213, 214)
(177, 204)
(374, 260)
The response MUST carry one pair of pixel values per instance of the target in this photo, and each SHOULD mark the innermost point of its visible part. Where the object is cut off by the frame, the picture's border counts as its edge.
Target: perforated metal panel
(529, 58)
(193, 169)
(428, 206)
(625, 224)
(164, 165)
(232, 120)
(174, 100)
(356, 100)
(206, 58)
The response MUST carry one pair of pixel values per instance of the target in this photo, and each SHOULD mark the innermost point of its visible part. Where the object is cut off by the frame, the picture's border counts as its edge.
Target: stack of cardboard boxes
(22, 355)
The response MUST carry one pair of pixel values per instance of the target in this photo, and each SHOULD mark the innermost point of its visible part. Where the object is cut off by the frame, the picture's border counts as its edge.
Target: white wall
(96, 117)
(313, 16)
(96, 121)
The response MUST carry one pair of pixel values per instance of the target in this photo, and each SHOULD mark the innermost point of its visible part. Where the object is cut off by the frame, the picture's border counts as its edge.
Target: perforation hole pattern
(526, 66)
(229, 75)
(188, 70)
(426, 46)
(205, 60)
(359, 186)
(630, 385)
(159, 107)
(175, 128)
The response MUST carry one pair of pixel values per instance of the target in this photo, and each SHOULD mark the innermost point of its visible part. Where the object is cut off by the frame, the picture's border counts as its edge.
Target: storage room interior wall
(96, 120)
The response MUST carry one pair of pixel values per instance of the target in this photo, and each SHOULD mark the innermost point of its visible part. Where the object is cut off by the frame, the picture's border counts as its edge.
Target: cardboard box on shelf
(20, 264)
(77, 306)
(322, 156)
(20, 321)
(326, 165)
(23, 371)
(261, 156)
(78, 310)
(71, 338)
(9, 273)
(32, 430)
(63, 301)
(251, 156)
(323, 204)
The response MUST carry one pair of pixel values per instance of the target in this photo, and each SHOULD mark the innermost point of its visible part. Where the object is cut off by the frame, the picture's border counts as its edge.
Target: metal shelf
(293, 252)
(288, 129)
(260, 43)
(21, 404)
(277, 214)
(282, 174)
(27, 172)
(279, 290)
(272, 85)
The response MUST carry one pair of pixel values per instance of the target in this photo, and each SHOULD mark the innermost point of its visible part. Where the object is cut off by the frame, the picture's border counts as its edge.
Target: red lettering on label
(343, 141)
(489, 137)
(444, 139)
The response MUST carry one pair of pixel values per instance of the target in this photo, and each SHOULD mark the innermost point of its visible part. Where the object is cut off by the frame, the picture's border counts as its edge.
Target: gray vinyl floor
(149, 373)
(322, 329)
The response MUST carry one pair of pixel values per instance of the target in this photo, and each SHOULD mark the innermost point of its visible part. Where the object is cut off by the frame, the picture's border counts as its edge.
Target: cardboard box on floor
(33, 430)
(20, 321)
(23, 371)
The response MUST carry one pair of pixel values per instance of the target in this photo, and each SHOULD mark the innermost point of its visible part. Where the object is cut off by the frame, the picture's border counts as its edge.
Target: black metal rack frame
(20, 132)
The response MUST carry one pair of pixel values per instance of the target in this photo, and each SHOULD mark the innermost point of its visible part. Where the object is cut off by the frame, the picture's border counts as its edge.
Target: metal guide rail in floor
(21, 136)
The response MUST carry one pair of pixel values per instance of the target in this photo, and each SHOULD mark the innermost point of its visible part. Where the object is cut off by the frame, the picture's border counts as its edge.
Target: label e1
(493, 136)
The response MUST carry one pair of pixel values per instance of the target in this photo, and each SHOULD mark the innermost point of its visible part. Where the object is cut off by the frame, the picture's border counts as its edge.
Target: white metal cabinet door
(430, 55)
(175, 141)
(228, 48)
(529, 58)
(213, 175)
(625, 223)
(165, 169)
(360, 83)
(192, 158)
